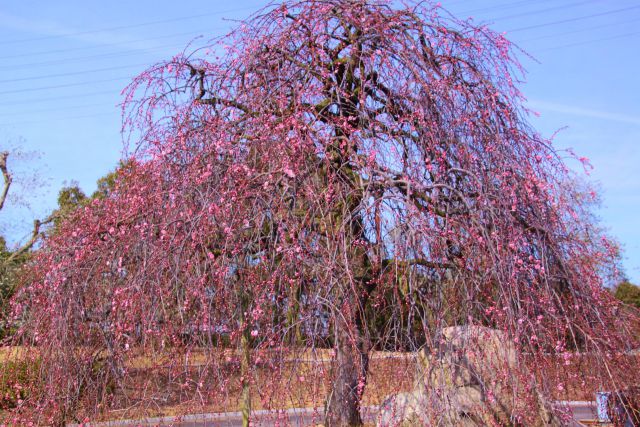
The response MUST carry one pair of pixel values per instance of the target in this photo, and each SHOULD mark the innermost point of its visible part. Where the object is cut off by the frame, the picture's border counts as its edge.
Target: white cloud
(583, 112)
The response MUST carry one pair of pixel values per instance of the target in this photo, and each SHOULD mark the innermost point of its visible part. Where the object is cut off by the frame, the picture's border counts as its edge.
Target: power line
(91, 57)
(564, 21)
(128, 66)
(48, 52)
(74, 73)
(136, 51)
(550, 9)
(81, 59)
(35, 89)
(457, 1)
(123, 27)
(159, 48)
(501, 6)
(58, 98)
(581, 30)
(591, 41)
(30, 122)
(55, 110)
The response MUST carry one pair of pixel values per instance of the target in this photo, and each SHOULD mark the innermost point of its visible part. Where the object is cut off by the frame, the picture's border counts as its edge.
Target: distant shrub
(17, 374)
(628, 293)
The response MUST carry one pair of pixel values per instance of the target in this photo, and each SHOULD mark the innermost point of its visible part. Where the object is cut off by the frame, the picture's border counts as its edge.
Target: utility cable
(579, 18)
(124, 27)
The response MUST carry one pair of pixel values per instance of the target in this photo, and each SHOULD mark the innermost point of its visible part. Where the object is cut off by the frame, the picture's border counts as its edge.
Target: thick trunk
(245, 361)
(293, 311)
(348, 377)
(245, 364)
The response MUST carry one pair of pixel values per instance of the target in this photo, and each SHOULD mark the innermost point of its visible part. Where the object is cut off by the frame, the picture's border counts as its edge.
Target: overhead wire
(84, 72)
(135, 51)
(35, 89)
(56, 110)
(109, 55)
(16, 91)
(501, 6)
(52, 119)
(75, 73)
(581, 30)
(547, 10)
(619, 36)
(574, 19)
(123, 27)
(56, 51)
(57, 98)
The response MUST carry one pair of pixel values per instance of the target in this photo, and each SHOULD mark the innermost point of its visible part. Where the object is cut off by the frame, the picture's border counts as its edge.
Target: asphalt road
(293, 417)
(582, 411)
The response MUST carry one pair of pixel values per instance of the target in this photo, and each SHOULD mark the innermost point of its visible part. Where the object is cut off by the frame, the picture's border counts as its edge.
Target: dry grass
(14, 353)
(298, 383)
(167, 384)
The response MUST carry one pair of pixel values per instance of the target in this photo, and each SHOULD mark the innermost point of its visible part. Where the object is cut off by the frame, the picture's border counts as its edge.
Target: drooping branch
(8, 179)
(213, 101)
(199, 74)
(351, 154)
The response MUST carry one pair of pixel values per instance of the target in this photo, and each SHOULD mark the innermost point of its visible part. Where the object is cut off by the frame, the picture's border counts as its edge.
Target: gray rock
(469, 381)
(399, 410)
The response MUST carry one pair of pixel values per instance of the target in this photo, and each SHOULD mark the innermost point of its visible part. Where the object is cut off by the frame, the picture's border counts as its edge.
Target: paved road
(293, 417)
(582, 411)
(299, 418)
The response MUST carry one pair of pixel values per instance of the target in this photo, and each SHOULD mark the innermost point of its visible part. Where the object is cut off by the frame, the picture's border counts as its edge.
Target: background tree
(4, 195)
(70, 198)
(10, 264)
(12, 259)
(341, 160)
(628, 293)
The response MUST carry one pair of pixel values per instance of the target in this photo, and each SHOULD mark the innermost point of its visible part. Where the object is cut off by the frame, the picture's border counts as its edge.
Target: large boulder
(468, 379)
(401, 409)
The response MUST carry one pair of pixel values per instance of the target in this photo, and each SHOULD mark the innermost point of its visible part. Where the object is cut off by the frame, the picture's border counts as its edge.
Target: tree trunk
(293, 311)
(245, 360)
(348, 377)
(245, 364)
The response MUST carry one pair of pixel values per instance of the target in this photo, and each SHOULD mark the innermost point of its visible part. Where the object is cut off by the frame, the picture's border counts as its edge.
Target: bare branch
(8, 179)
(36, 234)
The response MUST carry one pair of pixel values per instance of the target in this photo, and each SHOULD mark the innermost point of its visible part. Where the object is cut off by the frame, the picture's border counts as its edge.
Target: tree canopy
(333, 174)
(628, 293)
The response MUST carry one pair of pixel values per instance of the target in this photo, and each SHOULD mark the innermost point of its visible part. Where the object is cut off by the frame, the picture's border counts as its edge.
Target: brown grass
(296, 384)
(167, 385)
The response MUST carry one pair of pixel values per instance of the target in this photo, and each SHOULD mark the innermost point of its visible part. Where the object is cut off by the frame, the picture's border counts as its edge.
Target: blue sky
(64, 63)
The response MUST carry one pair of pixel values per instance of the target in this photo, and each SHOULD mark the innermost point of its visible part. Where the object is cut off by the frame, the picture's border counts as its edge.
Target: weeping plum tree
(332, 174)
